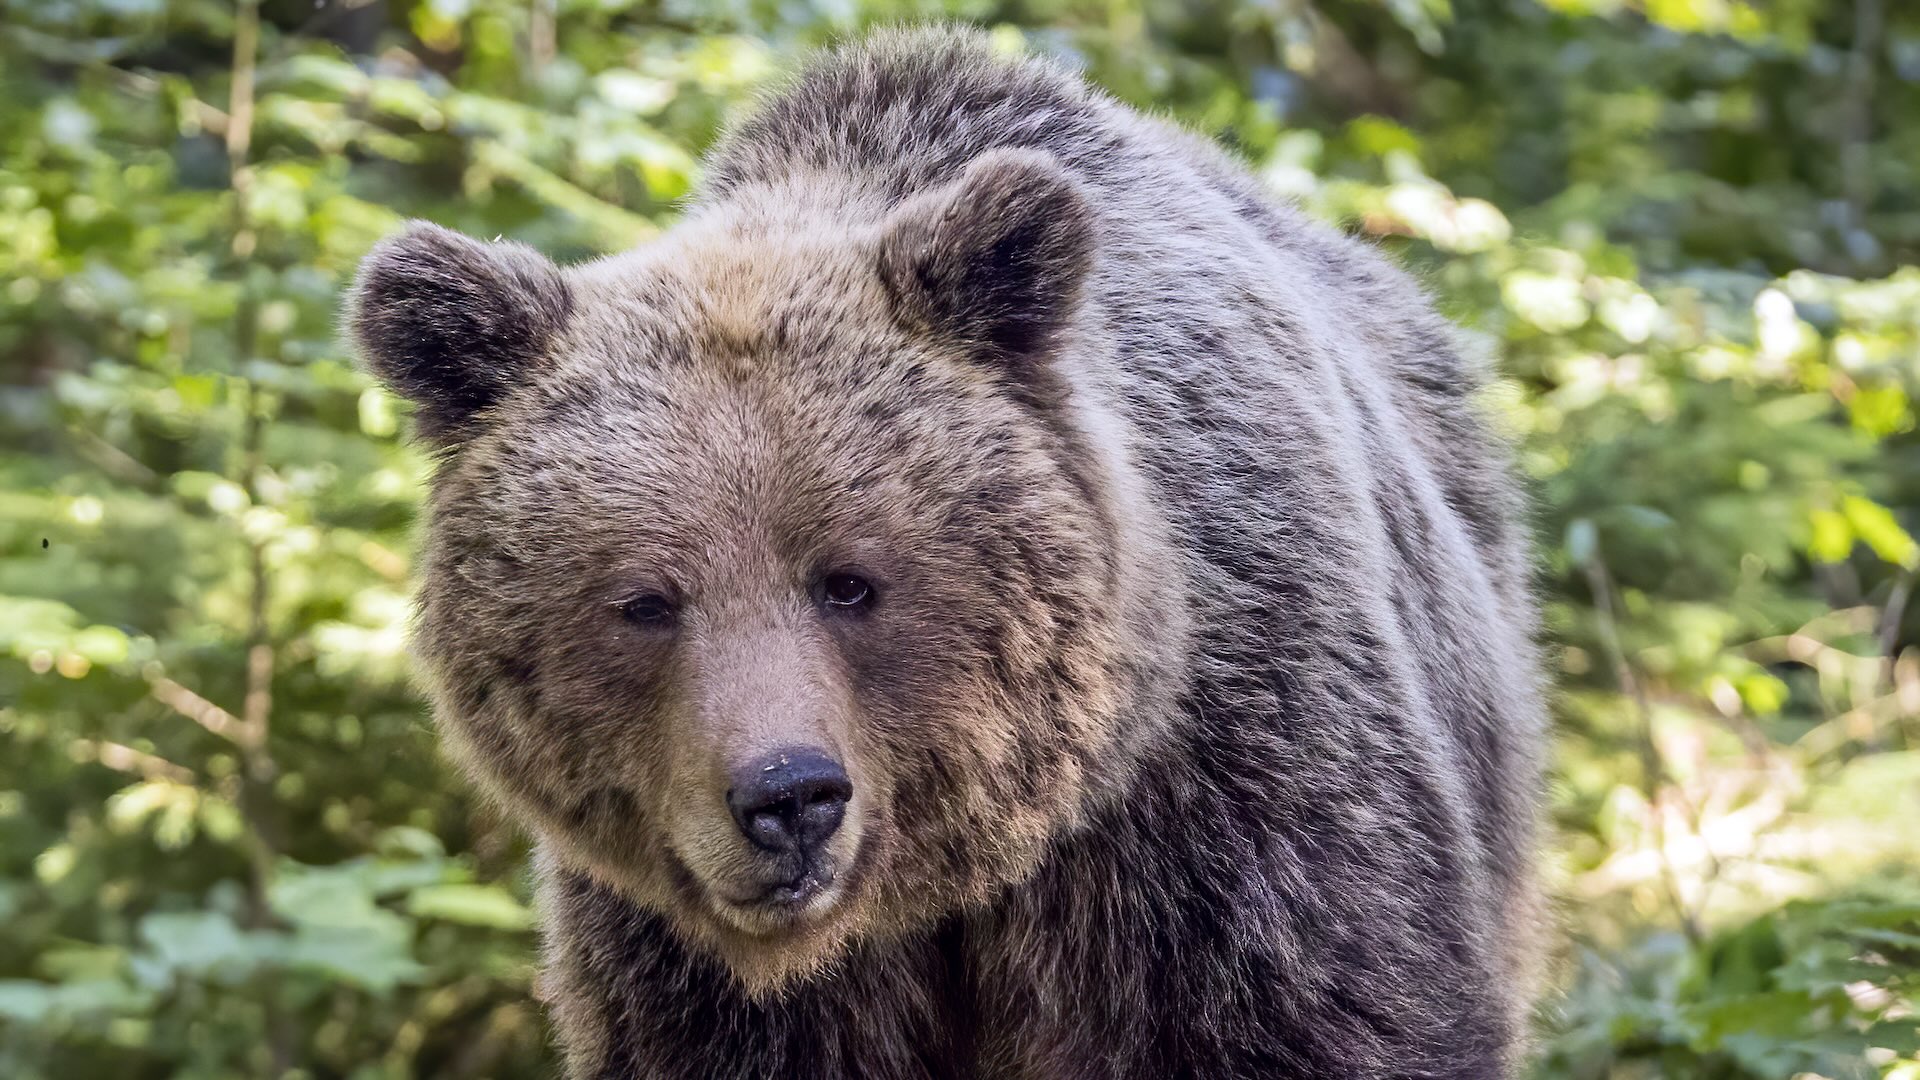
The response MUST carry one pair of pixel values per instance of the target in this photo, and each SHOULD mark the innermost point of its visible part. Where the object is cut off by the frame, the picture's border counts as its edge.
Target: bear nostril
(791, 800)
(769, 830)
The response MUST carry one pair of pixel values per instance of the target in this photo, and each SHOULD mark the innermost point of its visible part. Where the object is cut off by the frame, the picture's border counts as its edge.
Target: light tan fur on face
(755, 692)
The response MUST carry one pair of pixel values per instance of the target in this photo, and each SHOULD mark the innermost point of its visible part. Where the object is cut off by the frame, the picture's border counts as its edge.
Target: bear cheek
(535, 714)
(934, 741)
(998, 708)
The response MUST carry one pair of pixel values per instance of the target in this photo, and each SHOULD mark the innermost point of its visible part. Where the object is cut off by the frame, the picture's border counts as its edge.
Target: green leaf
(475, 905)
(199, 943)
(1876, 527)
(374, 952)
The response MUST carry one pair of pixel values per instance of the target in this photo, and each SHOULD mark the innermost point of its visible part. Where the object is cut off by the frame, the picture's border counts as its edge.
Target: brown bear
(991, 593)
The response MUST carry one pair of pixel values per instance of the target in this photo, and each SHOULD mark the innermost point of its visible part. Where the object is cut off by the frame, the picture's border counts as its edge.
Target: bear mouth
(783, 904)
(791, 894)
(763, 910)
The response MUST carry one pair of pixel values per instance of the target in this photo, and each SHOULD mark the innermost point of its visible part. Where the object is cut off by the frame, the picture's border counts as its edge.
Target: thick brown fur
(1194, 729)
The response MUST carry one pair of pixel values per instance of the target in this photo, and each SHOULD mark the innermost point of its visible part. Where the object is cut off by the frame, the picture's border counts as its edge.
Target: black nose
(792, 800)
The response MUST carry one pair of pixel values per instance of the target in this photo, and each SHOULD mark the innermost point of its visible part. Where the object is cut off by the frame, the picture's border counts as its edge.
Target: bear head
(782, 574)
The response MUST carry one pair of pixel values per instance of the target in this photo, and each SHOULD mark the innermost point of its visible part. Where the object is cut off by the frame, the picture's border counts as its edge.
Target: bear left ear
(995, 258)
(451, 323)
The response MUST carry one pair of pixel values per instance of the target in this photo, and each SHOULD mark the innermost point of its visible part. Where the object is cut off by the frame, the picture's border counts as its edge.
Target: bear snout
(790, 800)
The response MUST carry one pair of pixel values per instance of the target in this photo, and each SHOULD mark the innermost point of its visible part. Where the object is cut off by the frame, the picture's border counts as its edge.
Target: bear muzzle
(791, 833)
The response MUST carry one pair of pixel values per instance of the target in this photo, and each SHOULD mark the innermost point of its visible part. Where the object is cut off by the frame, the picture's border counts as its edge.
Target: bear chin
(765, 947)
(767, 952)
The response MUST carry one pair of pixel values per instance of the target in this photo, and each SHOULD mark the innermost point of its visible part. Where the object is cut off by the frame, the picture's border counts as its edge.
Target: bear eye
(649, 610)
(846, 592)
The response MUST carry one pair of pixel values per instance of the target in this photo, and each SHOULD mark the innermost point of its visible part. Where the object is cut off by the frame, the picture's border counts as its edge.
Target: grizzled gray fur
(989, 594)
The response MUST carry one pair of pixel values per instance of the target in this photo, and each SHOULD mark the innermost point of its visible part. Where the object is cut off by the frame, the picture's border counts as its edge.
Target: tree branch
(198, 709)
(128, 760)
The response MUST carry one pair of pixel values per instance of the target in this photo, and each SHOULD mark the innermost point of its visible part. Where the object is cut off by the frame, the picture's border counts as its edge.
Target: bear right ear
(451, 323)
(994, 259)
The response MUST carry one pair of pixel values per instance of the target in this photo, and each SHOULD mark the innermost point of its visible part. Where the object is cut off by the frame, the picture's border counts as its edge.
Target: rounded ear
(451, 323)
(995, 258)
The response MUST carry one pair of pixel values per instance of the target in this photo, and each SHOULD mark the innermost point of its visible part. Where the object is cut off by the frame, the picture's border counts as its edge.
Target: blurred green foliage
(1684, 229)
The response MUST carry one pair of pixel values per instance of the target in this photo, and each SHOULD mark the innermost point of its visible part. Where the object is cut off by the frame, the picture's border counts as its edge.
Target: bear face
(774, 575)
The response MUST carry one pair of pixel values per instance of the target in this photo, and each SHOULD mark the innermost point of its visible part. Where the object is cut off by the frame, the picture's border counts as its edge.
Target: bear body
(1129, 542)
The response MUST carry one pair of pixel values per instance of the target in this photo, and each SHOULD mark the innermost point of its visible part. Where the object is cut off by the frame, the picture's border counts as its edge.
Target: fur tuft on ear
(452, 323)
(996, 257)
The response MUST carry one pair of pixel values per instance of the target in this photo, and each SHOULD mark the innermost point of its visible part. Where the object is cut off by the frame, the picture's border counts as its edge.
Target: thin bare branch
(128, 760)
(383, 560)
(197, 709)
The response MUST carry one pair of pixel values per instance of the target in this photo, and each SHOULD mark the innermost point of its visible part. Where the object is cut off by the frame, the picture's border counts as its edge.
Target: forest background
(1685, 230)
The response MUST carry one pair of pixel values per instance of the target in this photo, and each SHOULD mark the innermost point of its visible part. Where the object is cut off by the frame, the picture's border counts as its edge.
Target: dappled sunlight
(1679, 234)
